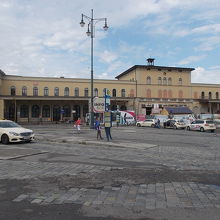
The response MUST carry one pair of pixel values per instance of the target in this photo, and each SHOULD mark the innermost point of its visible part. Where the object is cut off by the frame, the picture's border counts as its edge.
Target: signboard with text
(99, 105)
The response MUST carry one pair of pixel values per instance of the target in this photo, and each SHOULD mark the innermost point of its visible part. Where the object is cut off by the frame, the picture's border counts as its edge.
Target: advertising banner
(99, 105)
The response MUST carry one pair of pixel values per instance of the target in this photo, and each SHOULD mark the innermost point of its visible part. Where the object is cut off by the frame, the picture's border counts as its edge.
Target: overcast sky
(44, 38)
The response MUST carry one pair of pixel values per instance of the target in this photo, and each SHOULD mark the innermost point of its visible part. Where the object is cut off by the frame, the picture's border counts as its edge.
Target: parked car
(217, 123)
(146, 123)
(174, 124)
(202, 125)
(12, 132)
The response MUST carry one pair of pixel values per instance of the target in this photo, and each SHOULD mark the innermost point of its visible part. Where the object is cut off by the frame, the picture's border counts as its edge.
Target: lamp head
(105, 27)
(82, 23)
(88, 32)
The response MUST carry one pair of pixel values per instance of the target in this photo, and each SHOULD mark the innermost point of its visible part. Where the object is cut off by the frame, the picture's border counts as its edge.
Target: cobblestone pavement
(128, 178)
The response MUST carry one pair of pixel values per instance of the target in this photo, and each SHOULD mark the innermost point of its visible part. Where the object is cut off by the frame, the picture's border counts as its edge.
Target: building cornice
(66, 80)
(149, 67)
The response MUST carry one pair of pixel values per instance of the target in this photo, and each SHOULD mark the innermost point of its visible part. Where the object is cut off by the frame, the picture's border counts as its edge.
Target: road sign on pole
(107, 99)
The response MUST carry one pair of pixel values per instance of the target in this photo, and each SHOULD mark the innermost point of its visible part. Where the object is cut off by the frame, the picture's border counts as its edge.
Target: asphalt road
(144, 173)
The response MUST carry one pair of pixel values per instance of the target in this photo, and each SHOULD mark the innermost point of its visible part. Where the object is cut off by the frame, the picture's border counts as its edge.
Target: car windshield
(8, 124)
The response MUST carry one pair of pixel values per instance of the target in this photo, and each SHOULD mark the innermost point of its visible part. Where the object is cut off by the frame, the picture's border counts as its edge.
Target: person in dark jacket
(98, 129)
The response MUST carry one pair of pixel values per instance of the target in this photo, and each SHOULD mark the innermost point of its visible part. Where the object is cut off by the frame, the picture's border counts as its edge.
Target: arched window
(180, 94)
(148, 80)
(24, 91)
(114, 93)
(56, 91)
(24, 111)
(180, 81)
(123, 93)
(46, 91)
(66, 91)
(35, 111)
(96, 92)
(165, 94)
(104, 91)
(46, 111)
(76, 92)
(159, 81)
(35, 91)
(160, 93)
(66, 109)
(170, 81)
(164, 81)
(217, 95)
(86, 92)
(148, 93)
(13, 91)
(195, 95)
(210, 95)
(170, 94)
(202, 95)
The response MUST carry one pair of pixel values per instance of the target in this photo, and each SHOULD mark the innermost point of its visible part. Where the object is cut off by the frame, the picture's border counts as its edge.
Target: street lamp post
(91, 33)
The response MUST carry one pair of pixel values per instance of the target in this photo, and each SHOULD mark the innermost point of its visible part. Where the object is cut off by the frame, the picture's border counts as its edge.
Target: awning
(178, 110)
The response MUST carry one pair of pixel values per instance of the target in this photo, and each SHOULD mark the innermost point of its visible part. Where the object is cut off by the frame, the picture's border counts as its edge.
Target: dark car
(174, 124)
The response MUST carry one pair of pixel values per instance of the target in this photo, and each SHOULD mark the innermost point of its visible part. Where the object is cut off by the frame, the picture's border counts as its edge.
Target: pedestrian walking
(158, 123)
(77, 124)
(98, 128)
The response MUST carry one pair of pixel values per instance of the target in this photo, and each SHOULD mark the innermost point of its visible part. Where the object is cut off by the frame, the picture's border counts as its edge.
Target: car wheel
(152, 125)
(5, 139)
(188, 128)
(212, 131)
(28, 141)
(139, 125)
(202, 129)
(175, 127)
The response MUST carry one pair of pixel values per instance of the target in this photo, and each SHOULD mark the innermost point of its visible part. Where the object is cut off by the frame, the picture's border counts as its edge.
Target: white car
(12, 132)
(202, 125)
(146, 123)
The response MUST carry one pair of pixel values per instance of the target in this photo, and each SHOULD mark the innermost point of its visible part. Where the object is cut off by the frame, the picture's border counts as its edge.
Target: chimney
(150, 61)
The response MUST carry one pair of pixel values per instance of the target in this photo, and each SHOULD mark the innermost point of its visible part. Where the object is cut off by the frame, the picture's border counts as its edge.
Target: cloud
(208, 43)
(108, 57)
(202, 75)
(44, 37)
(191, 59)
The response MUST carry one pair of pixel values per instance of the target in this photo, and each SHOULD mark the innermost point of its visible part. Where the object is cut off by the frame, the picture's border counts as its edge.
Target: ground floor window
(35, 111)
(67, 111)
(56, 112)
(24, 111)
(46, 111)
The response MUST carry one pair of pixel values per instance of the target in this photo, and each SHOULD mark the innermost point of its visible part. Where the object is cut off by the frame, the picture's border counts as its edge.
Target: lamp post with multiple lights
(91, 33)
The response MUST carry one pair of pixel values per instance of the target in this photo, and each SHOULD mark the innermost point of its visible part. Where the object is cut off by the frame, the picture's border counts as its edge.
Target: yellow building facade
(145, 89)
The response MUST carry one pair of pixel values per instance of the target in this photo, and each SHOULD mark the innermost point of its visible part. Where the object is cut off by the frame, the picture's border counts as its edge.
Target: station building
(145, 89)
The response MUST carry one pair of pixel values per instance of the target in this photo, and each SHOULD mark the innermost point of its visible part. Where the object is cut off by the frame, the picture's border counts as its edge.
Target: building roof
(178, 110)
(153, 67)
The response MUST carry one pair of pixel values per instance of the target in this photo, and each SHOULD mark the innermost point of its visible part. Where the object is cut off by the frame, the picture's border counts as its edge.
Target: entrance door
(77, 113)
(11, 112)
(56, 113)
(148, 110)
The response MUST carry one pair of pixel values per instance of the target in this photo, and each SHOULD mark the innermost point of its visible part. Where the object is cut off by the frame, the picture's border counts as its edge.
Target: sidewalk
(88, 137)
